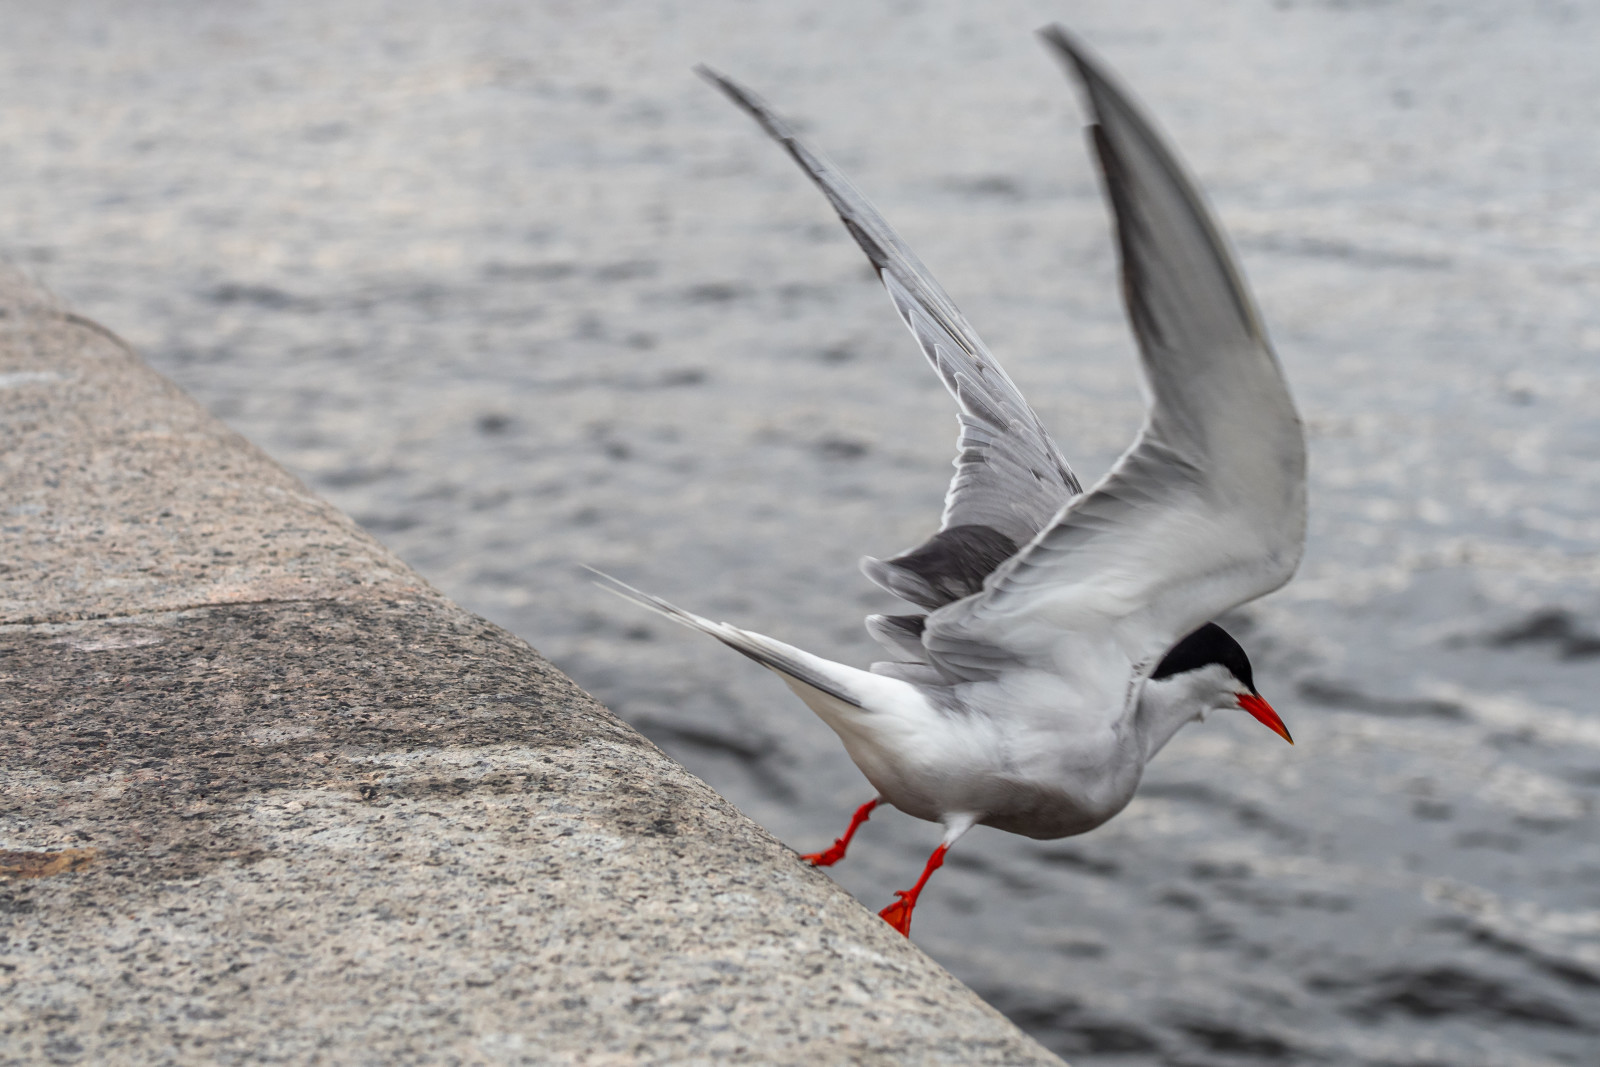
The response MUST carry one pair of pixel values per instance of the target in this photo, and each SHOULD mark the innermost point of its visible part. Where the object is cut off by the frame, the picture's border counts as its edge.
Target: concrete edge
(268, 795)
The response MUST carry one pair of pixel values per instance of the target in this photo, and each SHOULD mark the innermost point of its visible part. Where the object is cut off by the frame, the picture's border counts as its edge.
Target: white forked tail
(792, 664)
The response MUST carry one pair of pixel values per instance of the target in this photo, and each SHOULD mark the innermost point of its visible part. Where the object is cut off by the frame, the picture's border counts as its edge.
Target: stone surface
(122, 495)
(269, 797)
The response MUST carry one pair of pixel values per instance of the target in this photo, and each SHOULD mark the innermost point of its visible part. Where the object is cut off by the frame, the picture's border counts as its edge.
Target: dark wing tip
(1140, 165)
(732, 89)
(1067, 43)
(749, 103)
(819, 170)
(1113, 115)
(1092, 75)
(1103, 92)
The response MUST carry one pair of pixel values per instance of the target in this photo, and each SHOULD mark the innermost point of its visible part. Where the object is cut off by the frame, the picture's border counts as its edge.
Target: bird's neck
(1165, 707)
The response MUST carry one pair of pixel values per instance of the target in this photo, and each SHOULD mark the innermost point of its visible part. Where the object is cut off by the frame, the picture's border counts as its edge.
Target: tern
(1064, 636)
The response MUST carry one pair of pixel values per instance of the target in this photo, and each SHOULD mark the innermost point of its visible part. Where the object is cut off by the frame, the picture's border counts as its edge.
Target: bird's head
(1209, 671)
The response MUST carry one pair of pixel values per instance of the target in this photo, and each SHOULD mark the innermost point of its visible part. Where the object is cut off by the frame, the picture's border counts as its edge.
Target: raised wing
(1207, 509)
(1010, 478)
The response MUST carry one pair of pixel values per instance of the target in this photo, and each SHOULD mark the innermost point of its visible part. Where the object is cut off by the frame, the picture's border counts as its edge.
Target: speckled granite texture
(267, 797)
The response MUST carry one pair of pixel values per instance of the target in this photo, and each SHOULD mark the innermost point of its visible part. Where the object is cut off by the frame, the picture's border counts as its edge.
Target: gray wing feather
(1010, 476)
(1207, 509)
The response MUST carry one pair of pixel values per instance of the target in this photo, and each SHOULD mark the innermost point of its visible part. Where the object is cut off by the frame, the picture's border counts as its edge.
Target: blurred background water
(509, 285)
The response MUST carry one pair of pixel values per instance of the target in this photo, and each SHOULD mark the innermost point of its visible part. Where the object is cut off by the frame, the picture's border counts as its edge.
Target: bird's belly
(927, 784)
(1040, 811)
(1039, 806)
(1045, 813)
(1071, 796)
(917, 790)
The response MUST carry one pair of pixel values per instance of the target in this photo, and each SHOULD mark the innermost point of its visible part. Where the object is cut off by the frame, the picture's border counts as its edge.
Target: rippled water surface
(518, 292)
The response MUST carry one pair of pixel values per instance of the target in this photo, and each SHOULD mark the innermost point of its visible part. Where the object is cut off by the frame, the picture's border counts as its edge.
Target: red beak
(1264, 715)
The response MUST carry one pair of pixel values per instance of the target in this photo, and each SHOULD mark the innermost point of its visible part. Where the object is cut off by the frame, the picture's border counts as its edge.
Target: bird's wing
(1207, 509)
(1010, 478)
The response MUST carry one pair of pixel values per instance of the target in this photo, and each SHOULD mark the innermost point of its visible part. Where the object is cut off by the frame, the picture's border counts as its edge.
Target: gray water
(509, 285)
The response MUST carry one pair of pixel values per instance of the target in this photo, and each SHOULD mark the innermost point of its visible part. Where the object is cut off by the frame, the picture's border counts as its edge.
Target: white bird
(1065, 637)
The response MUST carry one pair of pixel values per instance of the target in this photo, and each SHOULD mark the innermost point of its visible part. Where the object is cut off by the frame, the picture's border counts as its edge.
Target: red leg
(835, 852)
(898, 914)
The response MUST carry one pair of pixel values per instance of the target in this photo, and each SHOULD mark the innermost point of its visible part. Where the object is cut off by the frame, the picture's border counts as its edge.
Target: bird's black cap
(1207, 645)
